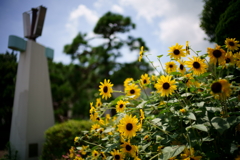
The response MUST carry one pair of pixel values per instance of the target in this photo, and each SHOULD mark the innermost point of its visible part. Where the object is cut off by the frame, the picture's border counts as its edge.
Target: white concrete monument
(33, 109)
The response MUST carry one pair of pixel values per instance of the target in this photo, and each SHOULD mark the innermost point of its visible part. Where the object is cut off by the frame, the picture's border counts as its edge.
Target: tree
(228, 25)
(97, 63)
(210, 16)
(8, 70)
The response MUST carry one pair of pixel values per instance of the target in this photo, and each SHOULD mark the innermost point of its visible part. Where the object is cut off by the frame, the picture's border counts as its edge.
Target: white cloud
(117, 9)
(82, 11)
(176, 21)
(102, 3)
(149, 9)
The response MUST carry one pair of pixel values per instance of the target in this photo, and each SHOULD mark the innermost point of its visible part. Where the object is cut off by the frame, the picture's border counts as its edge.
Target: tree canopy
(99, 62)
(219, 19)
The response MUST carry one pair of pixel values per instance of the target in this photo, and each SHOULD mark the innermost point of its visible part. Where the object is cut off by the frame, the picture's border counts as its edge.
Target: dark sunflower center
(128, 147)
(181, 67)
(231, 44)
(228, 60)
(196, 65)
(166, 85)
(192, 158)
(144, 81)
(117, 157)
(121, 106)
(98, 118)
(176, 52)
(105, 89)
(129, 126)
(132, 91)
(217, 53)
(95, 154)
(170, 66)
(216, 87)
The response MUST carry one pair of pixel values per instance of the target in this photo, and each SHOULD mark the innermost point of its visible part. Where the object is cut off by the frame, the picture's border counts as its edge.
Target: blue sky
(161, 23)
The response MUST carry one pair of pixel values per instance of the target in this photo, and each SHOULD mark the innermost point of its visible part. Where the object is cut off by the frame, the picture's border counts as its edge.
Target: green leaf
(156, 120)
(200, 127)
(213, 109)
(200, 104)
(160, 56)
(141, 105)
(208, 139)
(169, 152)
(145, 146)
(204, 74)
(191, 116)
(110, 147)
(186, 94)
(220, 124)
(175, 73)
(231, 120)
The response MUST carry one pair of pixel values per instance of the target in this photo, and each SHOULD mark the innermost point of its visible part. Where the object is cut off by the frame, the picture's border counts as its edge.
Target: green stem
(152, 64)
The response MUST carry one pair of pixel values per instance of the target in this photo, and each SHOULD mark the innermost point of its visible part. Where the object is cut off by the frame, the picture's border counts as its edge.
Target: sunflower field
(192, 111)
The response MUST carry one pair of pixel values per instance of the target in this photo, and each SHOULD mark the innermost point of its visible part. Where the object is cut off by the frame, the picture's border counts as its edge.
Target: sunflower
(128, 148)
(144, 79)
(94, 116)
(182, 110)
(136, 153)
(216, 54)
(127, 81)
(197, 65)
(229, 60)
(117, 155)
(105, 89)
(189, 155)
(153, 78)
(83, 150)
(78, 157)
(71, 152)
(232, 44)
(102, 154)
(170, 67)
(187, 48)
(141, 54)
(221, 89)
(165, 85)
(128, 126)
(133, 90)
(182, 68)
(236, 57)
(176, 51)
(95, 127)
(190, 81)
(95, 154)
(76, 139)
(92, 109)
(121, 105)
(146, 137)
(142, 117)
(98, 102)
(108, 117)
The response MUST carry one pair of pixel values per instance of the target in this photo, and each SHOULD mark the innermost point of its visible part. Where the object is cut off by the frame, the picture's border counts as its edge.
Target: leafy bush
(62, 135)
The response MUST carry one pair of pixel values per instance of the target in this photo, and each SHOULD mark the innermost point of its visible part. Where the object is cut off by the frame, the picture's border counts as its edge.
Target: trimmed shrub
(60, 137)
